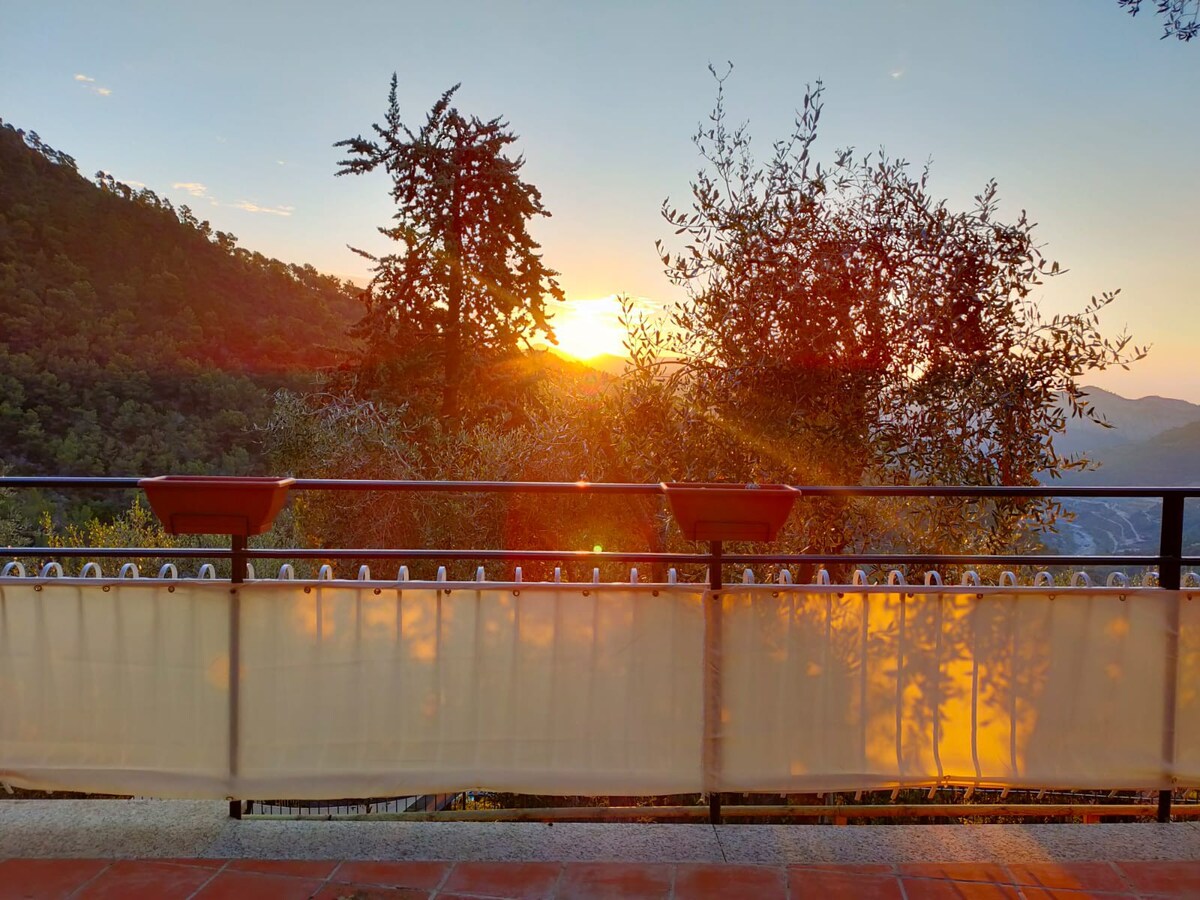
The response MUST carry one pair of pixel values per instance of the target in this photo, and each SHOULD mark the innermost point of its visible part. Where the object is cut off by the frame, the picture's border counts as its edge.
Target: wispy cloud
(195, 188)
(897, 74)
(89, 82)
(269, 210)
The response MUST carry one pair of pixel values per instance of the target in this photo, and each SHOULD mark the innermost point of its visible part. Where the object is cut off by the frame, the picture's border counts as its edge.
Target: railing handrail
(605, 487)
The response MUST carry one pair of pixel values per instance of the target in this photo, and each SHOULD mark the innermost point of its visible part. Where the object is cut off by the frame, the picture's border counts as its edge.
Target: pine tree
(467, 286)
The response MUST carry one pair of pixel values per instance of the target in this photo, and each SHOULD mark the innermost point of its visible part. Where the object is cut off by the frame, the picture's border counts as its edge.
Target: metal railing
(1169, 562)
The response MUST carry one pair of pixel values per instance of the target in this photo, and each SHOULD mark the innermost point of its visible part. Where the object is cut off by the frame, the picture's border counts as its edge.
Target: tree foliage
(843, 325)
(467, 288)
(1180, 18)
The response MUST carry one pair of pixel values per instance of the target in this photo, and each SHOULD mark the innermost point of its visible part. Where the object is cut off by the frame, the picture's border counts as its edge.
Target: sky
(1086, 119)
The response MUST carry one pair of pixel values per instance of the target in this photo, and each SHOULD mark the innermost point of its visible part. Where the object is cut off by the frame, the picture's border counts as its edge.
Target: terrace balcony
(847, 702)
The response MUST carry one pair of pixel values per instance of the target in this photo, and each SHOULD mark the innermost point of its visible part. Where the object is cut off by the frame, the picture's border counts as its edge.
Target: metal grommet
(307, 589)
(841, 595)
(515, 593)
(106, 588)
(377, 591)
(775, 593)
(587, 593)
(170, 589)
(654, 593)
(1121, 597)
(37, 587)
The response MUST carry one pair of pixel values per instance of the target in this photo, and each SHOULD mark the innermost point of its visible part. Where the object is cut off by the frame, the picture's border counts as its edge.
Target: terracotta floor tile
(136, 879)
(513, 881)
(701, 882)
(45, 879)
(199, 863)
(238, 885)
(1075, 876)
(939, 889)
(957, 871)
(1037, 893)
(601, 881)
(369, 892)
(296, 868)
(1171, 879)
(804, 883)
(848, 868)
(392, 874)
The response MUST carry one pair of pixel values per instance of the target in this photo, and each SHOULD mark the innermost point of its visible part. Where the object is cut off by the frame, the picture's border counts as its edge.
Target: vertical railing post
(712, 678)
(1170, 572)
(237, 575)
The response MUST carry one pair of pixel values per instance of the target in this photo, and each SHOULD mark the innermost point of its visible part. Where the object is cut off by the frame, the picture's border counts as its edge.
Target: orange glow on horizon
(587, 329)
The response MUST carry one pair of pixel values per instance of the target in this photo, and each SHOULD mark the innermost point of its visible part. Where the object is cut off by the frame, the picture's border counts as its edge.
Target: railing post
(712, 678)
(237, 575)
(1170, 566)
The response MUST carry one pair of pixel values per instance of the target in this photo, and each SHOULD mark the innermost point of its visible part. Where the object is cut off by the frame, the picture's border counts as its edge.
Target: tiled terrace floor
(183, 849)
(373, 880)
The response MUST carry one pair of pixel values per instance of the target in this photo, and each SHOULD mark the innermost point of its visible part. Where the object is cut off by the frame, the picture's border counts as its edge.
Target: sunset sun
(589, 328)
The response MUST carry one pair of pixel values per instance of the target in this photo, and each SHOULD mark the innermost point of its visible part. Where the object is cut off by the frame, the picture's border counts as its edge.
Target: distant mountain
(1156, 441)
(1169, 458)
(1133, 421)
(605, 362)
(134, 339)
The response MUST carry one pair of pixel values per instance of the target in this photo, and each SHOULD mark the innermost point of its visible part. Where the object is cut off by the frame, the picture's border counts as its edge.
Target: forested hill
(133, 338)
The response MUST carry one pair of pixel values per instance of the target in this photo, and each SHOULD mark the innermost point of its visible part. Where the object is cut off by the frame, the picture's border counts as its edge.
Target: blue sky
(1084, 116)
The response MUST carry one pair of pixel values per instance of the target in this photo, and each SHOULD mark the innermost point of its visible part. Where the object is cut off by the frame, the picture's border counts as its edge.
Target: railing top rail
(948, 559)
(600, 487)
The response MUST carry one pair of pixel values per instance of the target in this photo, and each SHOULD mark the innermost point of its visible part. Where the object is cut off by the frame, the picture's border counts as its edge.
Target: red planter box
(206, 504)
(730, 512)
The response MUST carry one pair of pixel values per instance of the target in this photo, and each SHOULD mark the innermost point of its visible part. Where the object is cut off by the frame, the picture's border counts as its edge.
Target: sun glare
(589, 328)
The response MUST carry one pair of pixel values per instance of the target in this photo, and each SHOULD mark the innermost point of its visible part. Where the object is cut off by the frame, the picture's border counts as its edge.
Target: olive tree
(842, 324)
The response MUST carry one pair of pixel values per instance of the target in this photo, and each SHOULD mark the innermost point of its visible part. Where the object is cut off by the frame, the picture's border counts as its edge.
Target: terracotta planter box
(206, 504)
(730, 512)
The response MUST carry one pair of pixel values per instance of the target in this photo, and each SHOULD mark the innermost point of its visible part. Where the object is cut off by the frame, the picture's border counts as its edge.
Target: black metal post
(712, 672)
(237, 575)
(1170, 566)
